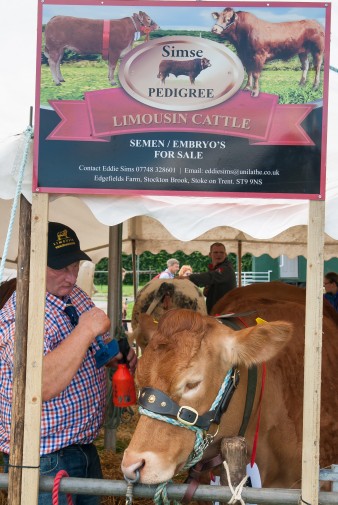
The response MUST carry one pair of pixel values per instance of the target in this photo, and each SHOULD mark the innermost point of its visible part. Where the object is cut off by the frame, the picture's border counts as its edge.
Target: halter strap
(155, 401)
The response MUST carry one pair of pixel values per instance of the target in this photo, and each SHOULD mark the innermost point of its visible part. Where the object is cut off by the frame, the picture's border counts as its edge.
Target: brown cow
(159, 296)
(86, 36)
(257, 41)
(192, 68)
(7, 288)
(188, 356)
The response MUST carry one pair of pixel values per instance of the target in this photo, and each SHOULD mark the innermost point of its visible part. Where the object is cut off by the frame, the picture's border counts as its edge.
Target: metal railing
(253, 277)
(103, 487)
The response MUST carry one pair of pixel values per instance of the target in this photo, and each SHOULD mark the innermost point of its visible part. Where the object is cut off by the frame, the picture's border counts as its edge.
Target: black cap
(63, 246)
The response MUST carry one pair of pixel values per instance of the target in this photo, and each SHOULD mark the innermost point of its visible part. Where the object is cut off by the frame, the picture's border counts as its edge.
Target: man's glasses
(71, 312)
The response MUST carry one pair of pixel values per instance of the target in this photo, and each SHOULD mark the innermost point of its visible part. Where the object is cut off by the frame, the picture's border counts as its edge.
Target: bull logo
(63, 240)
(191, 68)
(62, 235)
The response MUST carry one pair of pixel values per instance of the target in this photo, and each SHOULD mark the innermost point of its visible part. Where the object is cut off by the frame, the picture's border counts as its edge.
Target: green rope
(161, 494)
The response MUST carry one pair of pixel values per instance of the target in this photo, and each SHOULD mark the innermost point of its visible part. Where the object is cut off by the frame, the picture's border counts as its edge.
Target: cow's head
(187, 357)
(145, 21)
(205, 63)
(224, 20)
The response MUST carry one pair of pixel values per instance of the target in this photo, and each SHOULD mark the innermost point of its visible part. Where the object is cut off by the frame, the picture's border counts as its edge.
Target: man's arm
(62, 364)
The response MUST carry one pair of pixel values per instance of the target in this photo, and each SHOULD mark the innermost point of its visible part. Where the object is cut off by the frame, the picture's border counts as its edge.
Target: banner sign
(182, 98)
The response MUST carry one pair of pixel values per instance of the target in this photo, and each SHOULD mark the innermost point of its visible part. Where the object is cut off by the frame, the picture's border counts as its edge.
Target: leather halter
(194, 475)
(160, 403)
(136, 18)
(232, 21)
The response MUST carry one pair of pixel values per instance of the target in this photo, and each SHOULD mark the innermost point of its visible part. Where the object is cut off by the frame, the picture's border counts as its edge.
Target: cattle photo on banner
(182, 98)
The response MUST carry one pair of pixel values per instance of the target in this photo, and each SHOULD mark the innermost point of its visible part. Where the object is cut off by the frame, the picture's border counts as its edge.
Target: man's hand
(92, 323)
(131, 359)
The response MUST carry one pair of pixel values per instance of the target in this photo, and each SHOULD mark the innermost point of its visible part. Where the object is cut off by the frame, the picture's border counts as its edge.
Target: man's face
(330, 287)
(217, 254)
(174, 268)
(61, 282)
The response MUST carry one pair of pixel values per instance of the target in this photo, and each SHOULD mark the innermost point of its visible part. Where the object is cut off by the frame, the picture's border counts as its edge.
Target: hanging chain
(130, 486)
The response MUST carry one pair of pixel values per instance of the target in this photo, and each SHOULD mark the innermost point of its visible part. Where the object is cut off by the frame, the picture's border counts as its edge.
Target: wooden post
(115, 277)
(234, 452)
(115, 315)
(36, 324)
(313, 353)
(20, 354)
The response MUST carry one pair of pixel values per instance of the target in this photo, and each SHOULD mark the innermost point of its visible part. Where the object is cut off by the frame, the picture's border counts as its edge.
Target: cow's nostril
(132, 472)
(135, 480)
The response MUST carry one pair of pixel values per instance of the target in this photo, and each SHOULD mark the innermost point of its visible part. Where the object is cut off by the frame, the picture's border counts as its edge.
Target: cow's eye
(192, 385)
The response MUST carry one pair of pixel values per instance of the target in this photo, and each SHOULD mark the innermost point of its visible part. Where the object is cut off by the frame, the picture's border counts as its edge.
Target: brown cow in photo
(112, 38)
(191, 68)
(187, 357)
(257, 41)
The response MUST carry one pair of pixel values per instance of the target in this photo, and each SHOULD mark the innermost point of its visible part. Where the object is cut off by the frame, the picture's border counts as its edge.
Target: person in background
(185, 270)
(73, 388)
(171, 270)
(331, 289)
(219, 279)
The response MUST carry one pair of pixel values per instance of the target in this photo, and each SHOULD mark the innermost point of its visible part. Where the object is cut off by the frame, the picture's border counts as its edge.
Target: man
(73, 388)
(331, 289)
(173, 267)
(220, 278)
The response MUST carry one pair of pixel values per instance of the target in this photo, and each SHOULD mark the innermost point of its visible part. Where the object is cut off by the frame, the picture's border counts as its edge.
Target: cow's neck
(136, 22)
(232, 419)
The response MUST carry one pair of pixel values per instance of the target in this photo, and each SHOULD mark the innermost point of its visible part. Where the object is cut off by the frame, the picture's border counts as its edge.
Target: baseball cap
(63, 246)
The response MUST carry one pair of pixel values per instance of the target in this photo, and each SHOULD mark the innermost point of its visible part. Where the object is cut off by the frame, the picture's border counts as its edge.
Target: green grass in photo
(83, 76)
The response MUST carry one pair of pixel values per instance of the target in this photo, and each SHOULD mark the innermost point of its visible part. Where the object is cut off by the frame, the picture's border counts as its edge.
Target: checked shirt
(75, 416)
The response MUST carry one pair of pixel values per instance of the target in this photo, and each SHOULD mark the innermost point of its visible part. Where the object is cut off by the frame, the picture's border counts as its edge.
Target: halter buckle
(184, 421)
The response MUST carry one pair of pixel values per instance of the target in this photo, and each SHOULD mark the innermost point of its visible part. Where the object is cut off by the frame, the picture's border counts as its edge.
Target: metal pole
(239, 263)
(134, 260)
(105, 487)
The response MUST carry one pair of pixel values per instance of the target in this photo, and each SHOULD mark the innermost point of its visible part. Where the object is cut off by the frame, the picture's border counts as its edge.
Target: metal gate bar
(103, 487)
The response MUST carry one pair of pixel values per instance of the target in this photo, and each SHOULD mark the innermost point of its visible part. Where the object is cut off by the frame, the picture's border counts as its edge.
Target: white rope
(237, 492)
(28, 135)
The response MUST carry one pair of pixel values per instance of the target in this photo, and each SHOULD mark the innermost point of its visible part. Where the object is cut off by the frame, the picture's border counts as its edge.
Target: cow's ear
(256, 344)
(144, 331)
(215, 15)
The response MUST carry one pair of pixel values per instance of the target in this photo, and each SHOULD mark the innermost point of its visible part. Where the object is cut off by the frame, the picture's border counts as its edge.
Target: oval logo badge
(181, 73)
